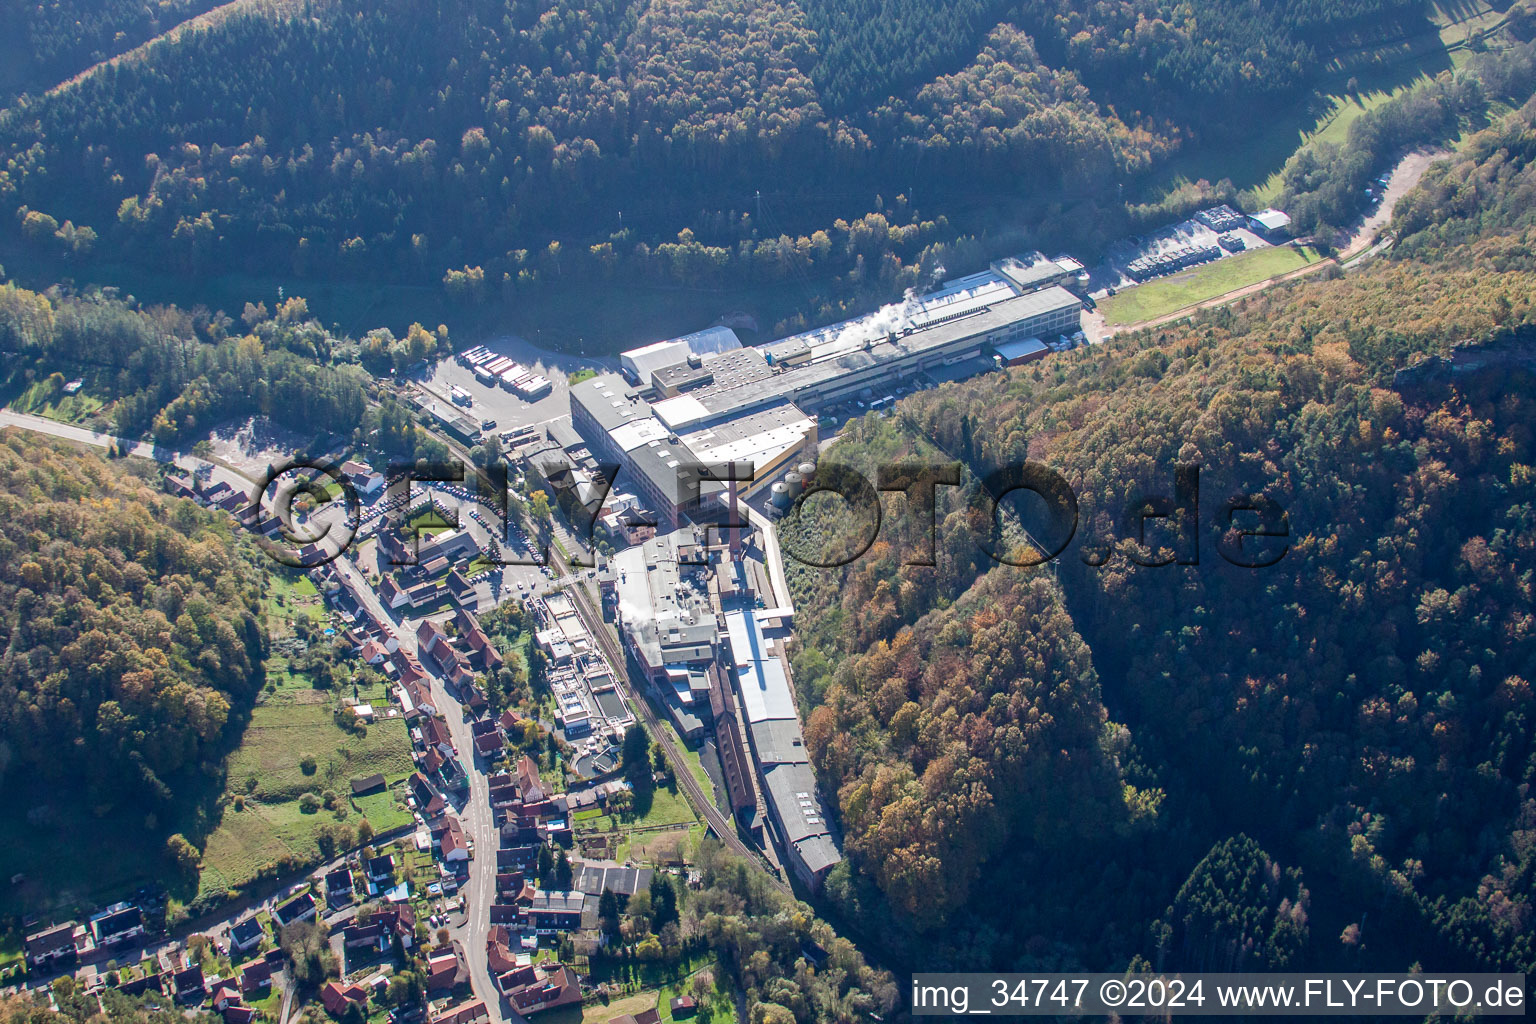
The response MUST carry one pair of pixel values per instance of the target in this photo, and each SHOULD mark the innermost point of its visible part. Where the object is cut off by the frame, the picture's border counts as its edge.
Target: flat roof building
(801, 821)
(1031, 271)
(663, 604)
(1019, 351)
(778, 747)
(875, 352)
(639, 363)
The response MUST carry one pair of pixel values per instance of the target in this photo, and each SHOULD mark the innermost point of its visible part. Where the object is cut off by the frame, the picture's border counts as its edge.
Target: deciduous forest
(503, 150)
(1325, 761)
(132, 640)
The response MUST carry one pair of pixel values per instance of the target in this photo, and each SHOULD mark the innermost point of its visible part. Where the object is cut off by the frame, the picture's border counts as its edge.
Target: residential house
(391, 593)
(336, 997)
(462, 590)
(300, 908)
(518, 858)
(119, 923)
(530, 787)
(223, 994)
(363, 477)
(188, 984)
(246, 935)
(553, 912)
(446, 968)
(483, 654)
(472, 1011)
(424, 594)
(475, 700)
(373, 653)
(454, 665)
(256, 976)
(381, 870)
(401, 919)
(503, 791)
(533, 990)
(435, 735)
(651, 1016)
(51, 948)
(415, 696)
(488, 738)
(372, 935)
(428, 633)
(429, 802)
(338, 885)
(449, 836)
(498, 950)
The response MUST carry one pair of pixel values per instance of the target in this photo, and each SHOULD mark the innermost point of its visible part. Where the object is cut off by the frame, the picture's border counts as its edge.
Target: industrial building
(1031, 271)
(639, 363)
(1021, 350)
(668, 623)
(705, 400)
(663, 467)
(1272, 225)
(463, 428)
(876, 353)
(784, 770)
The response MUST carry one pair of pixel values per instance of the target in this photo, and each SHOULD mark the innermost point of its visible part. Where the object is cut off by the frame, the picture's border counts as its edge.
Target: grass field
(295, 721)
(1253, 162)
(427, 524)
(1170, 294)
(290, 596)
(42, 398)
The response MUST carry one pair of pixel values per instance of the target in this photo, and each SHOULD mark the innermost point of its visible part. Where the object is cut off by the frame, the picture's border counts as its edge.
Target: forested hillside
(173, 375)
(1324, 761)
(130, 634)
(48, 42)
(506, 150)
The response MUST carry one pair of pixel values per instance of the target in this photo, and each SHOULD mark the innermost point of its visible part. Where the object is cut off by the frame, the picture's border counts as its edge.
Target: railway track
(718, 823)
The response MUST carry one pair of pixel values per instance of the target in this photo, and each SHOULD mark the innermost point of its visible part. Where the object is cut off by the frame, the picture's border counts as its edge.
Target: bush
(307, 764)
(309, 803)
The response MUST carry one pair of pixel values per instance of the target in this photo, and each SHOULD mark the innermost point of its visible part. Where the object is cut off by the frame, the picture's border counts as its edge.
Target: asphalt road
(474, 812)
(718, 822)
(82, 435)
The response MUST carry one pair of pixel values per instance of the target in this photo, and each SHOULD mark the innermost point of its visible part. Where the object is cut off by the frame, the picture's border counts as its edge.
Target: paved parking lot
(507, 409)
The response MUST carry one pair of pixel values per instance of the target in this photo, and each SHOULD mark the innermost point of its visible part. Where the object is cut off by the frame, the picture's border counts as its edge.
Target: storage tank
(807, 470)
(779, 495)
(794, 483)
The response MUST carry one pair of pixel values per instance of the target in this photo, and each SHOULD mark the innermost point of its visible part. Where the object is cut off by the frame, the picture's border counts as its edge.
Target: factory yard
(1170, 294)
(510, 411)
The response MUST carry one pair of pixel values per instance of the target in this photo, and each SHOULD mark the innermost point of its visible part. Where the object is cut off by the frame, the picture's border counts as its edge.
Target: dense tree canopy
(48, 42)
(1361, 709)
(130, 630)
(495, 148)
